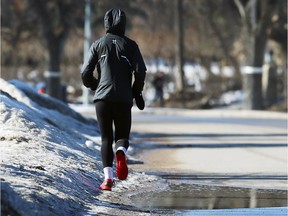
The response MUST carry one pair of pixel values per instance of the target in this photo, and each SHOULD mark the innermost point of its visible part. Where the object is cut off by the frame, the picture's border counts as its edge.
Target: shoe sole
(122, 168)
(105, 188)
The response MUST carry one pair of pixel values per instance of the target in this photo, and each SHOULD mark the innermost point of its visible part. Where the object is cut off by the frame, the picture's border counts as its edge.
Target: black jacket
(117, 58)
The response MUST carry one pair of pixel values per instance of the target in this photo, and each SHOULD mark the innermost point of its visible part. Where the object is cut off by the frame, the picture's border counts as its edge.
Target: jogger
(117, 59)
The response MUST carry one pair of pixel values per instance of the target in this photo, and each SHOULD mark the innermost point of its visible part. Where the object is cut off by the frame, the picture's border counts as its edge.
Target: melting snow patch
(46, 168)
(50, 157)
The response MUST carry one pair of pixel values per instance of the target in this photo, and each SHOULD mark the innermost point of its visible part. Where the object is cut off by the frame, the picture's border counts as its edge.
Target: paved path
(235, 148)
(210, 150)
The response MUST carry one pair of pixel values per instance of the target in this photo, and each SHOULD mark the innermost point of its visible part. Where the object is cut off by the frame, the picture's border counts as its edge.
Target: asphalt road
(228, 148)
(230, 160)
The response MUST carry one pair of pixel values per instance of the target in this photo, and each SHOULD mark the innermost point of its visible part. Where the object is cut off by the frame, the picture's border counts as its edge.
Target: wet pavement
(196, 196)
(213, 162)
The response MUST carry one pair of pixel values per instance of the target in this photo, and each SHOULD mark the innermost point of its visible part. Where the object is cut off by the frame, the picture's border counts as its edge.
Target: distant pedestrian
(41, 87)
(117, 58)
(158, 83)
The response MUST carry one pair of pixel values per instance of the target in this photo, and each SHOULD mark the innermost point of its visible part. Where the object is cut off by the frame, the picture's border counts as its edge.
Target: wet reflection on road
(190, 197)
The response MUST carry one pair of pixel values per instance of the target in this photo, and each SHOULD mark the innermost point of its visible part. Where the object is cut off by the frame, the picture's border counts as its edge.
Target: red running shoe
(122, 169)
(106, 185)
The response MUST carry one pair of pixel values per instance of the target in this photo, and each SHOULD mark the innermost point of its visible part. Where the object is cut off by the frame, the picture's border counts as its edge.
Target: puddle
(191, 197)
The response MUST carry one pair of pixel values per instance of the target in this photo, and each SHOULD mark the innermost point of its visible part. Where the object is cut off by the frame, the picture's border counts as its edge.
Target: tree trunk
(252, 77)
(180, 85)
(53, 75)
(255, 38)
(55, 23)
(285, 69)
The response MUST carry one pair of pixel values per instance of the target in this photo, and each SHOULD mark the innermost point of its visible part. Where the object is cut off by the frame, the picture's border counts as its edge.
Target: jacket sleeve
(87, 69)
(139, 68)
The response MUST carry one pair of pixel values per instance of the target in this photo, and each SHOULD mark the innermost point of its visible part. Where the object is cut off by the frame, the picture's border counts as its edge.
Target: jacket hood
(115, 21)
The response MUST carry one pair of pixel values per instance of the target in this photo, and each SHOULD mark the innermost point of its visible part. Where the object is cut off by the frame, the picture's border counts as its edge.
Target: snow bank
(50, 159)
(46, 168)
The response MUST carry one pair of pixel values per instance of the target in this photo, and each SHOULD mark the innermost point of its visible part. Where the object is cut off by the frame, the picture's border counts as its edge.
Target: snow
(50, 155)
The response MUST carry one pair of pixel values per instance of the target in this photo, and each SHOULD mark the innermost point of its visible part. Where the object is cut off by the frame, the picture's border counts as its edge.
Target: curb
(218, 113)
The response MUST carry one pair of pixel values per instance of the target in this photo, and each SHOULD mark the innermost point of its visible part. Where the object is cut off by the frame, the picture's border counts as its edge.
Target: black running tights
(107, 114)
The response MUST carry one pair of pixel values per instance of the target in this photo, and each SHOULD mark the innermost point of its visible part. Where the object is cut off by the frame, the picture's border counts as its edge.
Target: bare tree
(56, 21)
(219, 16)
(278, 33)
(256, 18)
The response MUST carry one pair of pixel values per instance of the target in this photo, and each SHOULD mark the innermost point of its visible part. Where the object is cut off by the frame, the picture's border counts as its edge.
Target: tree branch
(250, 4)
(241, 8)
